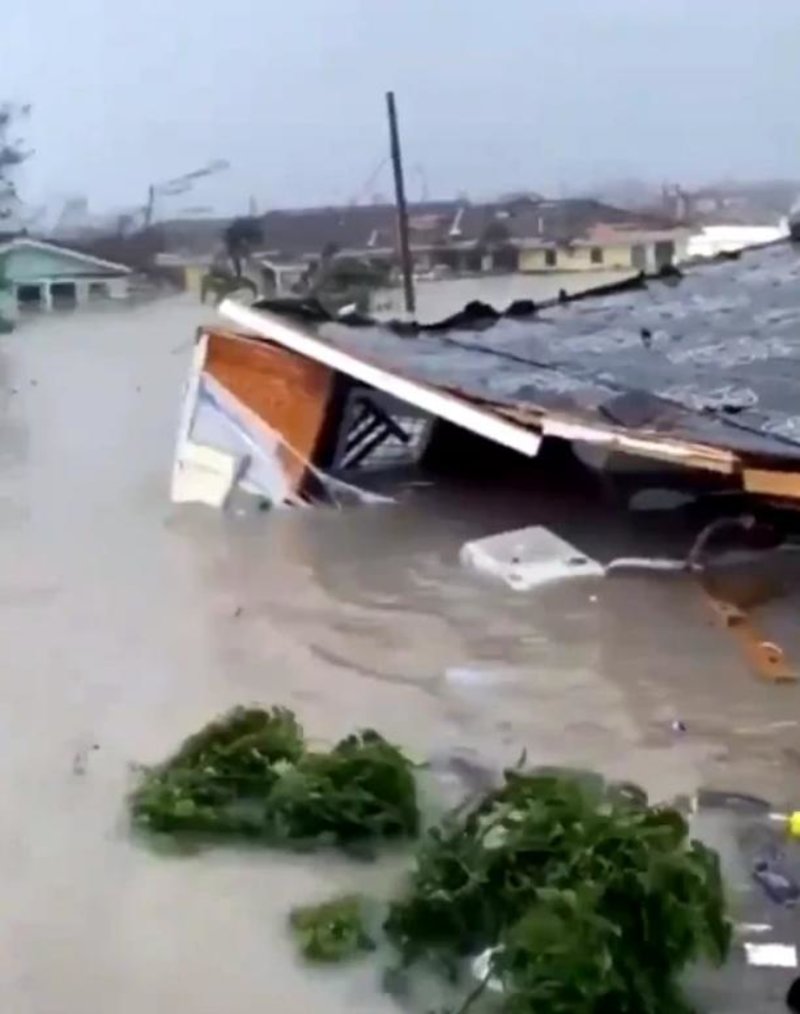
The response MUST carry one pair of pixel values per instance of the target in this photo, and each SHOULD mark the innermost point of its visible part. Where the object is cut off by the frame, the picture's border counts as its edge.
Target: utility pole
(402, 208)
(149, 208)
(179, 185)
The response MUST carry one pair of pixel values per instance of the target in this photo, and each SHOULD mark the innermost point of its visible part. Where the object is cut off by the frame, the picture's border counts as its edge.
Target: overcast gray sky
(493, 94)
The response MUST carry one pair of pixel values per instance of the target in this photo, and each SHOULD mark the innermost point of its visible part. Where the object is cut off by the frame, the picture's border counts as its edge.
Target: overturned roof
(701, 368)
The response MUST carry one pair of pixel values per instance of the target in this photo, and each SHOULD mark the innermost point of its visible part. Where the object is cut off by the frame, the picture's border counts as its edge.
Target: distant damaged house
(353, 229)
(577, 235)
(697, 372)
(526, 234)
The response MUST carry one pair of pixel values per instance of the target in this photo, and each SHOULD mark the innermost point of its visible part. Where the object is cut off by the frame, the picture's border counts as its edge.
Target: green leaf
(591, 901)
(331, 932)
(249, 775)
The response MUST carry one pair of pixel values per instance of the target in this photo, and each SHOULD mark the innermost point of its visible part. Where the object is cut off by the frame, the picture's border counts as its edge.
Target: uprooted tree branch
(577, 894)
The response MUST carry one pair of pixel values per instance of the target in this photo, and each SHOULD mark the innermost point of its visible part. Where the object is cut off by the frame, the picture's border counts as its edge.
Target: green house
(36, 276)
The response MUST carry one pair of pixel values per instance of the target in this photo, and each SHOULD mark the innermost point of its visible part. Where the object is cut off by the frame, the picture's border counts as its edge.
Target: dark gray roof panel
(714, 355)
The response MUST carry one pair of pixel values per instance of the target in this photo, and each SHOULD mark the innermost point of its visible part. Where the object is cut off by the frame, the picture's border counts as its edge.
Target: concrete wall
(119, 287)
(440, 298)
(116, 288)
(533, 260)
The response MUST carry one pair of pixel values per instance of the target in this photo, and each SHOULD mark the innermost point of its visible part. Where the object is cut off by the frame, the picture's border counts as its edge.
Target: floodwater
(126, 623)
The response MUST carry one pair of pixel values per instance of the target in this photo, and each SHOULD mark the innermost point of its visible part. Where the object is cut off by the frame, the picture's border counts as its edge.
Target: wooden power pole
(402, 207)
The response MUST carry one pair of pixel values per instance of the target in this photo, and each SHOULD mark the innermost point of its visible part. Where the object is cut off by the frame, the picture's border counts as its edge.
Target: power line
(368, 184)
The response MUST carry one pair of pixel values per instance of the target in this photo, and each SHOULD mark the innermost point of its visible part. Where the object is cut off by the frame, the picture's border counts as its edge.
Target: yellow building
(607, 248)
(582, 258)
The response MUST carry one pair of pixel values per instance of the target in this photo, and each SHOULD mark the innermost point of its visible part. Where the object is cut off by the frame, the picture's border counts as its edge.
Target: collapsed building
(695, 374)
(697, 371)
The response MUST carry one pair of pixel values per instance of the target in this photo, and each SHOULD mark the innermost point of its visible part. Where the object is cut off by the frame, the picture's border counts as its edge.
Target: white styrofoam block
(771, 955)
(203, 475)
(528, 558)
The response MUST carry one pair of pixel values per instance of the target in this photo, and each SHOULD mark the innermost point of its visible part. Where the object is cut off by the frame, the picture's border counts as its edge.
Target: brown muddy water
(126, 623)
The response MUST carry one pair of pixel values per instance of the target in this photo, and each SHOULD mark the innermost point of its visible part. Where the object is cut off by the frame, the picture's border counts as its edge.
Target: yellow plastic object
(794, 824)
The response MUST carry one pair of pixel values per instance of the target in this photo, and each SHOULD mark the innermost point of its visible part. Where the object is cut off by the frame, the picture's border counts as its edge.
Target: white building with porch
(39, 276)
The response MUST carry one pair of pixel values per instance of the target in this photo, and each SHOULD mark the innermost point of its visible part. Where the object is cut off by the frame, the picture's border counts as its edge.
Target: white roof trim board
(679, 452)
(25, 242)
(456, 410)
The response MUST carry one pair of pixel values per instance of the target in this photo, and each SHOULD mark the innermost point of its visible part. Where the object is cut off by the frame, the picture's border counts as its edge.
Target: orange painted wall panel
(290, 393)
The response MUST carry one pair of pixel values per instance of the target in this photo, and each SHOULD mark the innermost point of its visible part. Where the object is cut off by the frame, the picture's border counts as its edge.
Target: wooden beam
(668, 449)
(771, 483)
(765, 658)
(430, 399)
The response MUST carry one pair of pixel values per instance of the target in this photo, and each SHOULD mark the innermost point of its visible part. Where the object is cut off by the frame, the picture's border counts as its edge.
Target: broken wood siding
(781, 485)
(290, 393)
(699, 370)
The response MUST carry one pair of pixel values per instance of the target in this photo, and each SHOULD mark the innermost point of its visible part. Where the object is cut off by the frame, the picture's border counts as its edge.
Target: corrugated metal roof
(700, 370)
(711, 357)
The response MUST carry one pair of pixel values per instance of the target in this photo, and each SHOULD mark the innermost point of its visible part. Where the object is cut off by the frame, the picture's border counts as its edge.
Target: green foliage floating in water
(590, 901)
(333, 931)
(250, 775)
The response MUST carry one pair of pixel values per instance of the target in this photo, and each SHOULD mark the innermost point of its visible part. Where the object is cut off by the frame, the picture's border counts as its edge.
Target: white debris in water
(528, 558)
(471, 677)
(771, 955)
(753, 927)
(644, 563)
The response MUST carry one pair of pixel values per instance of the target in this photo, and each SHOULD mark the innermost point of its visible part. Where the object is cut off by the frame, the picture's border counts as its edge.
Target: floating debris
(771, 955)
(528, 558)
(600, 369)
(333, 931)
(250, 775)
(580, 894)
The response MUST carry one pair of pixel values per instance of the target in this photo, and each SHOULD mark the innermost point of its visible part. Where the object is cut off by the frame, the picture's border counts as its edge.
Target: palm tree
(11, 155)
(241, 238)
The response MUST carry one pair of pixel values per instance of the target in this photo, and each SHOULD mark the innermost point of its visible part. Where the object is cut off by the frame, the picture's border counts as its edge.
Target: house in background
(527, 233)
(606, 247)
(540, 236)
(41, 276)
